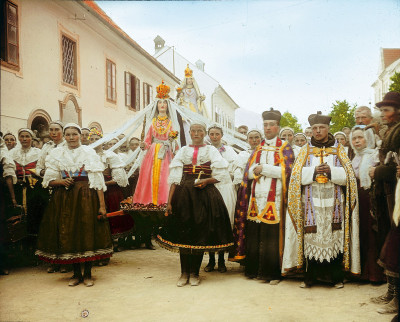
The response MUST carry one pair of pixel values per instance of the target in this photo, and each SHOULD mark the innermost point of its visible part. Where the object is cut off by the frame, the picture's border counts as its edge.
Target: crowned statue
(188, 94)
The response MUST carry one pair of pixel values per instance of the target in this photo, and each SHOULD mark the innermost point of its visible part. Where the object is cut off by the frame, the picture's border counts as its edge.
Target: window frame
(63, 34)
(5, 62)
(133, 92)
(113, 81)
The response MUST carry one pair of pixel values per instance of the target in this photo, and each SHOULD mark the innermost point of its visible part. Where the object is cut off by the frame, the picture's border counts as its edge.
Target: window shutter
(137, 104)
(133, 92)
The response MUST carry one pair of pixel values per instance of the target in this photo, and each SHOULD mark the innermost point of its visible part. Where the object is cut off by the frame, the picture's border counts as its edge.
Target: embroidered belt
(189, 169)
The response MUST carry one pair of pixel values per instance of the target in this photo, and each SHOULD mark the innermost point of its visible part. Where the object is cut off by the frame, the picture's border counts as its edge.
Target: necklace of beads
(161, 124)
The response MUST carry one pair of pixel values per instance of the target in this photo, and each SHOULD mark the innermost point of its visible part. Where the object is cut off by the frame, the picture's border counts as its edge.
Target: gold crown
(188, 71)
(162, 91)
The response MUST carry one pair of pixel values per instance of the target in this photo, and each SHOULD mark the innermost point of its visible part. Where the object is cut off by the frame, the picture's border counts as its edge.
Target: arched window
(70, 110)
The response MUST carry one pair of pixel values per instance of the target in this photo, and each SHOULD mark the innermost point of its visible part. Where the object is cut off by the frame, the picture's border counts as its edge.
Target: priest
(322, 231)
(266, 177)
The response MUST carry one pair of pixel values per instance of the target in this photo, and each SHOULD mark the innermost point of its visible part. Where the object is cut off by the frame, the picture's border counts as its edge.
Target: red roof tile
(390, 55)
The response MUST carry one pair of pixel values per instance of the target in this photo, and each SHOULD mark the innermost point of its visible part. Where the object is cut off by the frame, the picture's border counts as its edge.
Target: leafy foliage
(395, 86)
(342, 116)
(290, 120)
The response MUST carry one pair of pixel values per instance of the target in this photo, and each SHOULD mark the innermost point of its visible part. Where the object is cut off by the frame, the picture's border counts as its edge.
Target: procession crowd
(315, 205)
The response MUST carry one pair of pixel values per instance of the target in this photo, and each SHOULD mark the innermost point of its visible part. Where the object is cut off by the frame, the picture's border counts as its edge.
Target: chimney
(158, 44)
(200, 65)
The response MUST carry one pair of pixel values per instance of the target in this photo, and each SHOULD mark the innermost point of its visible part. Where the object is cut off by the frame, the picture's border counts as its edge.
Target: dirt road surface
(140, 285)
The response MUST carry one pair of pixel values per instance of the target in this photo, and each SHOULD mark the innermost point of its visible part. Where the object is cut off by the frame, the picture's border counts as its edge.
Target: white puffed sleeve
(52, 171)
(117, 166)
(219, 165)
(239, 166)
(94, 168)
(8, 165)
(176, 168)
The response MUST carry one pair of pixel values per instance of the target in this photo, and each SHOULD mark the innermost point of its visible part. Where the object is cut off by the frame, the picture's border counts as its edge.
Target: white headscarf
(26, 130)
(363, 160)
(74, 125)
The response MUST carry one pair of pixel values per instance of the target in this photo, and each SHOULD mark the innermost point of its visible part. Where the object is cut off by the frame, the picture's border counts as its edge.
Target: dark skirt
(370, 270)
(262, 251)
(199, 220)
(120, 226)
(36, 199)
(389, 257)
(70, 231)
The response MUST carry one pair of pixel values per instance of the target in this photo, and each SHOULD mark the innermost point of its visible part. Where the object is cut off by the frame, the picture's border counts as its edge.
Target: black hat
(319, 119)
(390, 99)
(272, 115)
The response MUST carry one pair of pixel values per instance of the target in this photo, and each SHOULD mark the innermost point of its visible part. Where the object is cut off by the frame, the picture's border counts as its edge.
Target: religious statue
(188, 94)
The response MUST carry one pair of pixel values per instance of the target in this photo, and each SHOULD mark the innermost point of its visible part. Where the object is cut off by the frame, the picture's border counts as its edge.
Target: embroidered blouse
(75, 161)
(205, 154)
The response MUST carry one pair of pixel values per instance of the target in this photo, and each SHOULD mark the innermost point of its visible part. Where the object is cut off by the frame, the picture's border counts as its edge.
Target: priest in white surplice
(322, 228)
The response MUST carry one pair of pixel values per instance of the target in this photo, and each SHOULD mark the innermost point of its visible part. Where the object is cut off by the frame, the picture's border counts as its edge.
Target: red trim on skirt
(75, 260)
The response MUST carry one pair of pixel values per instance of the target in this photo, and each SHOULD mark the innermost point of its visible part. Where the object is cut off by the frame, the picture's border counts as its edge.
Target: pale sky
(298, 56)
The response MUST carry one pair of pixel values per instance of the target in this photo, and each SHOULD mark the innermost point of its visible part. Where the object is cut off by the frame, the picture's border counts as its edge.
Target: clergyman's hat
(272, 115)
(319, 119)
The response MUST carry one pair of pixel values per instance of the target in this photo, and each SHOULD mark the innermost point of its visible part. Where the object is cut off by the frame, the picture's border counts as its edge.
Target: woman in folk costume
(28, 190)
(385, 181)
(160, 144)
(7, 180)
(287, 134)
(365, 158)
(197, 218)
(322, 220)
(266, 178)
(115, 179)
(57, 139)
(225, 187)
(71, 232)
(254, 137)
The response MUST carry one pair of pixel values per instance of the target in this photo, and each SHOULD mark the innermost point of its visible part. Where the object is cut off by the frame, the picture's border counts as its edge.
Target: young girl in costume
(70, 232)
(115, 179)
(225, 187)
(197, 218)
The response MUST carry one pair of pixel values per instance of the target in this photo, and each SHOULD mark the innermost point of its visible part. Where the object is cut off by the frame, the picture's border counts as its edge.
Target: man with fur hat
(266, 177)
(322, 233)
(385, 185)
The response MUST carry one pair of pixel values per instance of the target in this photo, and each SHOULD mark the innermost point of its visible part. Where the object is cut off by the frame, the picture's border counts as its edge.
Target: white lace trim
(24, 157)
(321, 254)
(119, 176)
(63, 159)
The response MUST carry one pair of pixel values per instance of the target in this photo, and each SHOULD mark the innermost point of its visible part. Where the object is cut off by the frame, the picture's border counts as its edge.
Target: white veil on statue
(175, 113)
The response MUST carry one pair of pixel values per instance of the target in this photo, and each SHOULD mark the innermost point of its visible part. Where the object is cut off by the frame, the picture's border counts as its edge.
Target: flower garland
(161, 124)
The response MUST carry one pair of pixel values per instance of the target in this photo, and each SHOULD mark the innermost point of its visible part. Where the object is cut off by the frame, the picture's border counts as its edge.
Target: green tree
(395, 86)
(291, 121)
(342, 116)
